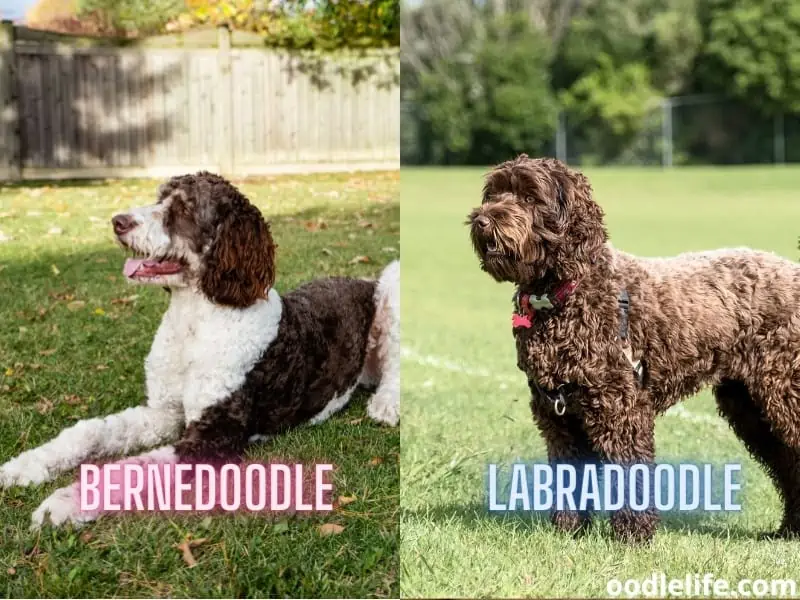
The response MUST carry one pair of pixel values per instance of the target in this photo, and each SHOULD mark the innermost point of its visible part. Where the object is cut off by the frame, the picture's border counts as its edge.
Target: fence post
(10, 156)
(666, 132)
(224, 124)
(779, 139)
(561, 137)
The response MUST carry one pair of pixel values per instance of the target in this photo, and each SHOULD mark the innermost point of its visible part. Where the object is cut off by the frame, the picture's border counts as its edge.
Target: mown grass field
(466, 404)
(73, 337)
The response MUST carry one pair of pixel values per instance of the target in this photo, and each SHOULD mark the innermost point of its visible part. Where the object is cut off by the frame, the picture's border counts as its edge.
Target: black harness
(557, 397)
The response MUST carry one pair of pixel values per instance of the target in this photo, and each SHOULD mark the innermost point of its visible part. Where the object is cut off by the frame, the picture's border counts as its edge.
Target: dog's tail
(382, 367)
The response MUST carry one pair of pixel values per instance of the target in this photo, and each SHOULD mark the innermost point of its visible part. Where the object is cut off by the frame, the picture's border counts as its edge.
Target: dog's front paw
(634, 527)
(22, 471)
(384, 408)
(62, 506)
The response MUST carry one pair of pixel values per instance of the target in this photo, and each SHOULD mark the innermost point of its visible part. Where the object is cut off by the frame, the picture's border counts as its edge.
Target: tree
(131, 17)
(752, 52)
(480, 82)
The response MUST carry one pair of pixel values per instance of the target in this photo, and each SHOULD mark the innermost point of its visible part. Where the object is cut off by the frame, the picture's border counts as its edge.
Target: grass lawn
(466, 404)
(73, 337)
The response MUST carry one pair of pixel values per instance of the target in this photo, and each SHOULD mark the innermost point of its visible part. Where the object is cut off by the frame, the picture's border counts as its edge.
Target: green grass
(466, 404)
(73, 337)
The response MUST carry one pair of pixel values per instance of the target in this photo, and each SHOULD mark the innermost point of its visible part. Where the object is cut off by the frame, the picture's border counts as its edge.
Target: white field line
(447, 364)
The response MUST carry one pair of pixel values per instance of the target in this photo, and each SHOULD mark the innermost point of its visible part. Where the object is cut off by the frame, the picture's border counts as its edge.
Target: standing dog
(231, 361)
(608, 340)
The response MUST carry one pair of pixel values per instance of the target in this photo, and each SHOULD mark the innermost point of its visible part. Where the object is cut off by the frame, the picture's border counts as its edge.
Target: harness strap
(624, 302)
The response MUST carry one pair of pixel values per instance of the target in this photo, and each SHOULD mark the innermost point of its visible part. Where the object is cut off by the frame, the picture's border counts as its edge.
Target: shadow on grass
(474, 515)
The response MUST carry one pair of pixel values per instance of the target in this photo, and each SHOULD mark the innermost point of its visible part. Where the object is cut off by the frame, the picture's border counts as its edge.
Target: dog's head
(538, 224)
(201, 233)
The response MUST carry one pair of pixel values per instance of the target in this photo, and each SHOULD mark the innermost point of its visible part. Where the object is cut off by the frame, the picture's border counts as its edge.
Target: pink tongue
(150, 268)
(132, 265)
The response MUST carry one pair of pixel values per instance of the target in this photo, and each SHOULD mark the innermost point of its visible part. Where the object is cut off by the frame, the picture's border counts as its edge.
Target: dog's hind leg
(382, 363)
(133, 428)
(781, 461)
(566, 442)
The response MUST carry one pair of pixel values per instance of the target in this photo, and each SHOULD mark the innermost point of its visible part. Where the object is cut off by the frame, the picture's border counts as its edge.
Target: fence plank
(112, 109)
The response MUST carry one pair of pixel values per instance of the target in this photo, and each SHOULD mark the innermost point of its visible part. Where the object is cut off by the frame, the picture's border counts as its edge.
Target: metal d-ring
(559, 404)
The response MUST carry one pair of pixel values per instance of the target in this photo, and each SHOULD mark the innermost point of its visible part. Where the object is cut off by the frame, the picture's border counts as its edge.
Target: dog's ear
(240, 264)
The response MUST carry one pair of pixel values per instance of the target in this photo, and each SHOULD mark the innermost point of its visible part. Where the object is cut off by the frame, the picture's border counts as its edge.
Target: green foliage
(325, 24)
(612, 103)
(490, 98)
(753, 51)
(131, 17)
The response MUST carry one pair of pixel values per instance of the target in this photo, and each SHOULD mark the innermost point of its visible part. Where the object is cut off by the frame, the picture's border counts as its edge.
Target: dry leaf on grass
(47, 352)
(313, 226)
(11, 571)
(101, 367)
(44, 406)
(359, 259)
(186, 549)
(356, 421)
(375, 460)
(126, 300)
(345, 500)
(72, 399)
(330, 529)
(76, 305)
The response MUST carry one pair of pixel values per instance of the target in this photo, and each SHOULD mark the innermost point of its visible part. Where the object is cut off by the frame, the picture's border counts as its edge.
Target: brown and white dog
(232, 361)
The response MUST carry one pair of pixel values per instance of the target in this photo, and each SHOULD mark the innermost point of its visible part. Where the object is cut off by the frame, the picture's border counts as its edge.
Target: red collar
(527, 304)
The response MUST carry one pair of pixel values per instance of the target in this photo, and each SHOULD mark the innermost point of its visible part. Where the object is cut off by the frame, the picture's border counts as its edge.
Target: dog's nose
(482, 221)
(123, 223)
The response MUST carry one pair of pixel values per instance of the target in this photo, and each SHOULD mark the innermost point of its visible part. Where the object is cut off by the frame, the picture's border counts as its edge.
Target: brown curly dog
(609, 340)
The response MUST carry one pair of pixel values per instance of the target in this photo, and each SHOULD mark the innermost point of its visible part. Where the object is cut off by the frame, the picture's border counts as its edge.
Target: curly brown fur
(729, 318)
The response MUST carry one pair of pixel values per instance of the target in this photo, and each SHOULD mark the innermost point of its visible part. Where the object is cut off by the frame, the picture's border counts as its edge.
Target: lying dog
(608, 340)
(232, 360)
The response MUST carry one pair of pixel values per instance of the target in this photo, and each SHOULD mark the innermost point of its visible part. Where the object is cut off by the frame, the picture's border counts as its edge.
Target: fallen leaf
(55, 270)
(101, 367)
(186, 549)
(99, 311)
(356, 421)
(345, 500)
(126, 300)
(47, 352)
(76, 304)
(359, 259)
(72, 399)
(330, 529)
(375, 460)
(44, 406)
(9, 372)
(11, 571)
(313, 226)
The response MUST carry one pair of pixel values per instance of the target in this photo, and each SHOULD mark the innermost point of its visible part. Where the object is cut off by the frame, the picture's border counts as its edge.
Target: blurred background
(596, 82)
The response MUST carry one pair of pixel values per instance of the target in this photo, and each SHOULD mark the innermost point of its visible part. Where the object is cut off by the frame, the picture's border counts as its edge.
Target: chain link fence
(682, 130)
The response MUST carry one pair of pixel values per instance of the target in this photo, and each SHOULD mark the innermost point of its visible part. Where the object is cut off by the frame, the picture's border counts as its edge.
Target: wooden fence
(105, 110)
